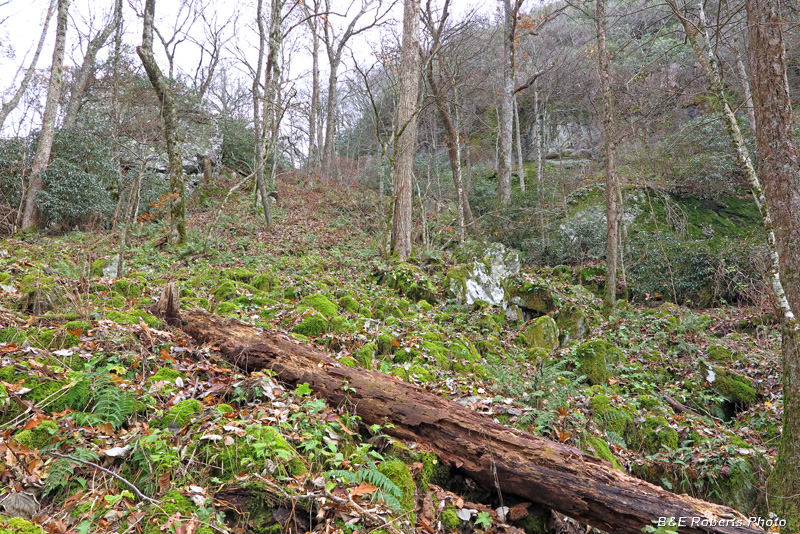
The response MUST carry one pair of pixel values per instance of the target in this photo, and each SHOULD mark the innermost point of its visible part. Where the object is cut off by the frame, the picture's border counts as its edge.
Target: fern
(111, 404)
(388, 492)
(62, 470)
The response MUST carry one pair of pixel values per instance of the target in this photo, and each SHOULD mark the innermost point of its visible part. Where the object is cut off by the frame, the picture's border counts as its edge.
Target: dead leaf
(36, 420)
(364, 488)
(163, 482)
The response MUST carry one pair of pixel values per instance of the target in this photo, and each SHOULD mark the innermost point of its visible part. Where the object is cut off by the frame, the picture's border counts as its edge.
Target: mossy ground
(320, 282)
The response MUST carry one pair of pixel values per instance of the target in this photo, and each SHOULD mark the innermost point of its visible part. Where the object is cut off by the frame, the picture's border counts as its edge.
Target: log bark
(555, 475)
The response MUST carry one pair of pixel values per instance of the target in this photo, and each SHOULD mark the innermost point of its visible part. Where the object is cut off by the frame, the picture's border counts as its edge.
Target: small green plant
(484, 520)
(387, 491)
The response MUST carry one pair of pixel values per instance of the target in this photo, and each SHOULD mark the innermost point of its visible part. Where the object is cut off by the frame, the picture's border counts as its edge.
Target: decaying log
(560, 477)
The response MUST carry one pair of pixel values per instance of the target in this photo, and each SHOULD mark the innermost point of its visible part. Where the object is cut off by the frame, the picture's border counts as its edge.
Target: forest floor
(104, 409)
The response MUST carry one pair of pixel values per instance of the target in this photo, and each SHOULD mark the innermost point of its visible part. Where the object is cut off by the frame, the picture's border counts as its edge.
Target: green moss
(321, 304)
(239, 275)
(718, 353)
(226, 308)
(83, 326)
(265, 282)
(450, 520)
(312, 325)
(592, 356)
(652, 435)
(96, 269)
(166, 374)
(597, 446)
(117, 301)
(737, 389)
(38, 437)
(183, 412)
(224, 408)
(348, 361)
(648, 402)
(541, 332)
(226, 291)
(337, 324)
(127, 288)
(55, 338)
(13, 335)
(385, 345)
(365, 354)
(133, 317)
(610, 417)
(17, 525)
(348, 303)
(424, 305)
(400, 372)
(398, 473)
(4, 278)
(422, 374)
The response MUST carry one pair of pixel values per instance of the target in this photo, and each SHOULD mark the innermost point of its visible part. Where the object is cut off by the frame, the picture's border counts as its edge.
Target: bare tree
(13, 102)
(334, 46)
(779, 161)
(407, 139)
(312, 13)
(81, 81)
(177, 230)
(612, 180)
(30, 214)
(511, 10)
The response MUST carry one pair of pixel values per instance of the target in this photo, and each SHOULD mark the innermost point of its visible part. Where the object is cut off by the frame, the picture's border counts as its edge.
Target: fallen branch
(133, 488)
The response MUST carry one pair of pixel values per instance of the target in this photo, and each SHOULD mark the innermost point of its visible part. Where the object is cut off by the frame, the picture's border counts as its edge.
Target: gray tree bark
(506, 118)
(407, 138)
(779, 161)
(612, 180)
(30, 213)
(177, 231)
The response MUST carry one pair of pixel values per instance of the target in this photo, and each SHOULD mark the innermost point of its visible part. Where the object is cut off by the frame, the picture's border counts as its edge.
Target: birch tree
(505, 127)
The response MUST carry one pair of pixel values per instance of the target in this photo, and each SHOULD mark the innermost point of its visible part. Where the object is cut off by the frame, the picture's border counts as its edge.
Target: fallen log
(555, 475)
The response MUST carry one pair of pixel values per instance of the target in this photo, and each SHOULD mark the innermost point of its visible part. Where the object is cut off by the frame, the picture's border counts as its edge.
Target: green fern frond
(388, 492)
(111, 404)
(62, 470)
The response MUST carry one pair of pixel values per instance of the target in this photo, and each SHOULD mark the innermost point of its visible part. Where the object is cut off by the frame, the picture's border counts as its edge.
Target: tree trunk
(612, 180)
(407, 138)
(520, 153)
(11, 105)
(81, 81)
(506, 117)
(313, 115)
(177, 220)
(555, 475)
(453, 145)
(259, 158)
(779, 162)
(30, 214)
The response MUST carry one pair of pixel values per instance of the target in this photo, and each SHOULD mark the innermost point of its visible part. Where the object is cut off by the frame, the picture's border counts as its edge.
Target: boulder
(483, 272)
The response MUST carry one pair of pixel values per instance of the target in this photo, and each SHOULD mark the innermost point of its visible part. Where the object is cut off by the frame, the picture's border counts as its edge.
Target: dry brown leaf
(364, 488)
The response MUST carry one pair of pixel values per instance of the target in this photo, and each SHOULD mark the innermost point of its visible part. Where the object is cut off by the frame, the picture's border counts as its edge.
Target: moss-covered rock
(133, 317)
(266, 281)
(348, 361)
(166, 374)
(592, 357)
(408, 280)
(652, 435)
(321, 303)
(127, 288)
(385, 344)
(450, 520)
(610, 417)
(38, 437)
(183, 412)
(312, 325)
(78, 327)
(421, 373)
(226, 291)
(424, 305)
(17, 525)
(238, 275)
(719, 353)
(739, 390)
(349, 304)
(364, 354)
(96, 269)
(56, 338)
(396, 471)
(542, 332)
